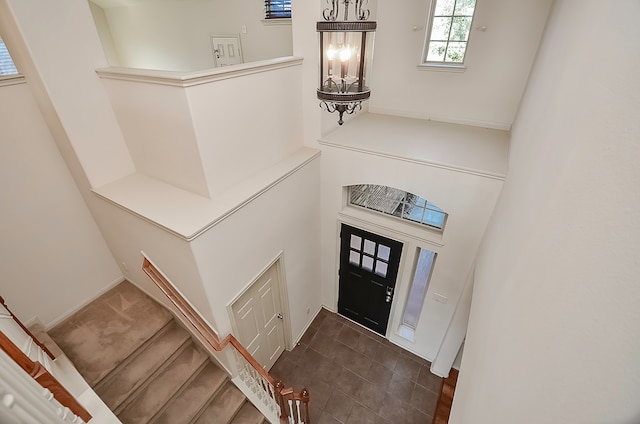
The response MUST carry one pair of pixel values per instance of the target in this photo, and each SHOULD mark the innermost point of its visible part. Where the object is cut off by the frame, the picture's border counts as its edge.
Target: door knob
(279, 316)
(389, 294)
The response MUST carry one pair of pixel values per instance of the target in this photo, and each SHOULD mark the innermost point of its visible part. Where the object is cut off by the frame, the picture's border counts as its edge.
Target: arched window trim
(397, 203)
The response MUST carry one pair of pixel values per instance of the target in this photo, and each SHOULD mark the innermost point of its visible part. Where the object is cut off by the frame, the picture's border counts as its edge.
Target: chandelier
(346, 50)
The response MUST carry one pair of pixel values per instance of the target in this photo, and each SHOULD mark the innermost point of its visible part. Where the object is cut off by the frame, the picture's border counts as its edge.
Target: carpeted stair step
(248, 414)
(151, 399)
(146, 367)
(224, 407)
(104, 333)
(196, 396)
(140, 366)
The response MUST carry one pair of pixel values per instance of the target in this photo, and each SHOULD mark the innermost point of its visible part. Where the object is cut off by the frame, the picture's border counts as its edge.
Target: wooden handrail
(39, 373)
(207, 333)
(26, 330)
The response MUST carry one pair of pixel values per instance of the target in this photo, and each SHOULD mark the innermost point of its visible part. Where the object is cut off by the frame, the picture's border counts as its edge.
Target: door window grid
(369, 255)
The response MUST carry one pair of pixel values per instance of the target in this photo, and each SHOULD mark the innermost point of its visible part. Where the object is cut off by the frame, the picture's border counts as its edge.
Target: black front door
(368, 270)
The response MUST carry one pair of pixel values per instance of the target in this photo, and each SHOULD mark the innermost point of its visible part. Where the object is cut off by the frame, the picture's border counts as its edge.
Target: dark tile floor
(355, 376)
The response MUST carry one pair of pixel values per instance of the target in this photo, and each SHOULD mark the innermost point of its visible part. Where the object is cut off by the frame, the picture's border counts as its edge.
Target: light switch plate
(440, 298)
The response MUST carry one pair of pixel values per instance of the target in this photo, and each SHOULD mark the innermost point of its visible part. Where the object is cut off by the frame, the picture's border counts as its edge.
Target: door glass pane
(369, 247)
(354, 258)
(383, 252)
(381, 268)
(356, 242)
(418, 288)
(367, 263)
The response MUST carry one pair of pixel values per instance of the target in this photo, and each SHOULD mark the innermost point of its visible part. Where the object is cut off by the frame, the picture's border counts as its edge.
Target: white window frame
(442, 66)
(422, 224)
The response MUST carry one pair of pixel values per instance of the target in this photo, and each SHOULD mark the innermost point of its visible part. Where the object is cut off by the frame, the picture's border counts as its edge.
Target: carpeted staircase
(146, 367)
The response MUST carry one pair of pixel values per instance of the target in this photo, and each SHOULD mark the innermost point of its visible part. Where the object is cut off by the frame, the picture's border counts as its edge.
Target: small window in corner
(7, 67)
(448, 32)
(277, 9)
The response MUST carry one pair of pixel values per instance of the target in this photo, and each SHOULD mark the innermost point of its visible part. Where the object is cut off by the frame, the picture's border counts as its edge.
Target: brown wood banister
(26, 330)
(39, 373)
(281, 394)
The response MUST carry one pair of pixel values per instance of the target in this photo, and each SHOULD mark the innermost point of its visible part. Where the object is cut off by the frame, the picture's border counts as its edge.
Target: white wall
(284, 219)
(158, 128)
(469, 201)
(53, 256)
(197, 138)
(245, 125)
(554, 319)
(58, 49)
(175, 35)
(498, 63)
(104, 32)
(215, 267)
(128, 235)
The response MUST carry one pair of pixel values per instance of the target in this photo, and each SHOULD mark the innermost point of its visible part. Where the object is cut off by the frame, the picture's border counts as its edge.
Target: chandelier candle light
(346, 50)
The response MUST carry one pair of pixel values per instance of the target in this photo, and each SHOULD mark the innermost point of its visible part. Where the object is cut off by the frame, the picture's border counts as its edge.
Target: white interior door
(226, 50)
(259, 320)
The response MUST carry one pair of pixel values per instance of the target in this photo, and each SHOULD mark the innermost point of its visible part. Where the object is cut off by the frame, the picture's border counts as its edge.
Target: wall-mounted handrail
(39, 373)
(293, 407)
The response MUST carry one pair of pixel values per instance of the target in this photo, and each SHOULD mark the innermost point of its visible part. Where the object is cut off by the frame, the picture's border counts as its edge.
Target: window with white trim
(277, 9)
(397, 203)
(417, 293)
(448, 32)
(7, 67)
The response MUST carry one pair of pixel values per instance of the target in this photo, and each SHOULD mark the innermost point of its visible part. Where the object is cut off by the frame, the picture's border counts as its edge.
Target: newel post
(279, 399)
(304, 397)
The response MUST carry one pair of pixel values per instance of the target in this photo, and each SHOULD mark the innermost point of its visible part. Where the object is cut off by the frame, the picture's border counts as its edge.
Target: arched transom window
(398, 203)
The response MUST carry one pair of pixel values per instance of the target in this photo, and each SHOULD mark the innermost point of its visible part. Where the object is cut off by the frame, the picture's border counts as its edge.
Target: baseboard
(297, 341)
(72, 311)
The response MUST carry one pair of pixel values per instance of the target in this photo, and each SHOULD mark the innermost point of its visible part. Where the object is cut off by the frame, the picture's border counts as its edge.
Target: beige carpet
(145, 367)
(101, 335)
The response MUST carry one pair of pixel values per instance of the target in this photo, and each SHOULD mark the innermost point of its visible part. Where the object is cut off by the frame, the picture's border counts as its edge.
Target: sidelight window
(417, 292)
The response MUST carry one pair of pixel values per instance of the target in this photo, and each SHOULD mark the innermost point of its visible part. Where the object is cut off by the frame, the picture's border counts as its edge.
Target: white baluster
(292, 419)
(299, 415)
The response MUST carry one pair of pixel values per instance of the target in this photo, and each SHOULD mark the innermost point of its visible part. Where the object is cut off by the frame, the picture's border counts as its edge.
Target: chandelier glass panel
(346, 51)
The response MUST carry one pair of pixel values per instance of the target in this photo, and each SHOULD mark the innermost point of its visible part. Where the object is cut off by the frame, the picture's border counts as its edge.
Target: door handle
(280, 316)
(389, 294)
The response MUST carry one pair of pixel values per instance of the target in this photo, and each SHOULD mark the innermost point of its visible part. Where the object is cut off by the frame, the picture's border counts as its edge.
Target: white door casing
(226, 50)
(258, 317)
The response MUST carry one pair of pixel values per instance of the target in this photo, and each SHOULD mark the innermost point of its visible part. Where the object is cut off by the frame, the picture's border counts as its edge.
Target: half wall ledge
(186, 214)
(189, 79)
